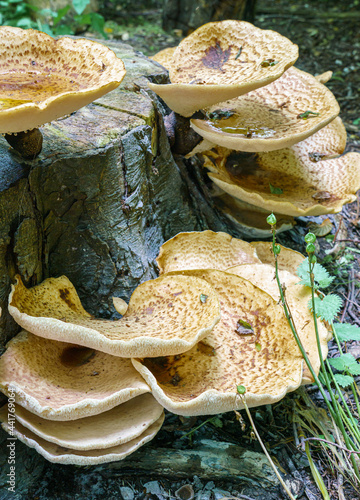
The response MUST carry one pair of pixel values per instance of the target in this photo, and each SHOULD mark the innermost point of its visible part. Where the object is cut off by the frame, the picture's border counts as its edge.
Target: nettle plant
(342, 407)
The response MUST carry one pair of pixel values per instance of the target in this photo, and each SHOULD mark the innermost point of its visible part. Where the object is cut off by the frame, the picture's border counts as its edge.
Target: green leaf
(275, 190)
(60, 14)
(346, 362)
(203, 298)
(328, 307)
(217, 422)
(346, 332)
(307, 114)
(80, 5)
(343, 380)
(98, 23)
(322, 278)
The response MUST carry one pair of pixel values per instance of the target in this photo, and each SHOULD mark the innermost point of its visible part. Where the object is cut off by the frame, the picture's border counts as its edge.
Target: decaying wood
(207, 459)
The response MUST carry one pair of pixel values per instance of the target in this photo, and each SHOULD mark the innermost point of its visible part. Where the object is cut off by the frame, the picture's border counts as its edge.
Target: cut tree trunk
(187, 15)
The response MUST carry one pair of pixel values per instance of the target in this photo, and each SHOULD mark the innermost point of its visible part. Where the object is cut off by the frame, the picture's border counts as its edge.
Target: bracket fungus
(164, 316)
(309, 178)
(252, 345)
(42, 79)
(65, 455)
(220, 61)
(277, 116)
(204, 250)
(75, 405)
(62, 381)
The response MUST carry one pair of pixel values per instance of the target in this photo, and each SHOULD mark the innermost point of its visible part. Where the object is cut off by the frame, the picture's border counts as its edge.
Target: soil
(328, 36)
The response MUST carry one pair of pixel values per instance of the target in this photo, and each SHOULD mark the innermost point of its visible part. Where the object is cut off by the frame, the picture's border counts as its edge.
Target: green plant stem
(265, 450)
(297, 338)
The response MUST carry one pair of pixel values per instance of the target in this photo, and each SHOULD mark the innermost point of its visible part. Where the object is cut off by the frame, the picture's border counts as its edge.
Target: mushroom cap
(250, 219)
(164, 316)
(204, 250)
(61, 381)
(311, 181)
(57, 454)
(269, 118)
(297, 297)
(119, 425)
(203, 380)
(324, 77)
(222, 60)
(42, 79)
(164, 57)
(288, 259)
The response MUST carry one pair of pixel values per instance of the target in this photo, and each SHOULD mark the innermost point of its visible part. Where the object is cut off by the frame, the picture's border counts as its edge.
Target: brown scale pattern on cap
(268, 118)
(36, 70)
(204, 379)
(63, 381)
(165, 57)
(164, 316)
(288, 259)
(204, 250)
(210, 55)
(309, 187)
(297, 297)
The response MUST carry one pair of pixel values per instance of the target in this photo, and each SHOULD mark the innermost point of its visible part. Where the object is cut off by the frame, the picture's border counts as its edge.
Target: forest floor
(328, 36)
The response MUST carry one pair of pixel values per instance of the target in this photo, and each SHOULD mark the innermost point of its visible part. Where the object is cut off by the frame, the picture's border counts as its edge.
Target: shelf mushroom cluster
(90, 390)
(42, 79)
(271, 137)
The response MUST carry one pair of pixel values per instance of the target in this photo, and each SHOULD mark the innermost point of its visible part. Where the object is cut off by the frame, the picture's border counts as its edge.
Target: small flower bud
(310, 248)
(277, 249)
(310, 238)
(271, 219)
(312, 259)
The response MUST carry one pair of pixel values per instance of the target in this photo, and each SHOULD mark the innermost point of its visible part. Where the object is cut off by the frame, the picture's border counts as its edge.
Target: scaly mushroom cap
(250, 219)
(61, 381)
(301, 180)
(164, 316)
(57, 454)
(297, 296)
(164, 57)
(266, 359)
(288, 259)
(120, 425)
(222, 60)
(42, 79)
(204, 250)
(276, 116)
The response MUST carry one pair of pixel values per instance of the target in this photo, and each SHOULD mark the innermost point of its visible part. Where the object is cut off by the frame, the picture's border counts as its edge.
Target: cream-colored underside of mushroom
(308, 187)
(42, 79)
(250, 219)
(297, 297)
(61, 381)
(120, 425)
(164, 57)
(204, 250)
(223, 60)
(268, 118)
(57, 454)
(203, 380)
(164, 316)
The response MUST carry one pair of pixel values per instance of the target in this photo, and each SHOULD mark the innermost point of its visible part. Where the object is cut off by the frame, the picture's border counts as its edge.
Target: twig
(333, 444)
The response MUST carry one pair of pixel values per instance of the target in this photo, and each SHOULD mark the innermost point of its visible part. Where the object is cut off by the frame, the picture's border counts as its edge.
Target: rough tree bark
(188, 15)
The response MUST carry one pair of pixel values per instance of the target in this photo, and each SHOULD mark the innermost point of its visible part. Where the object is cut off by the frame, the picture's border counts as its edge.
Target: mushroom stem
(181, 137)
(28, 144)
